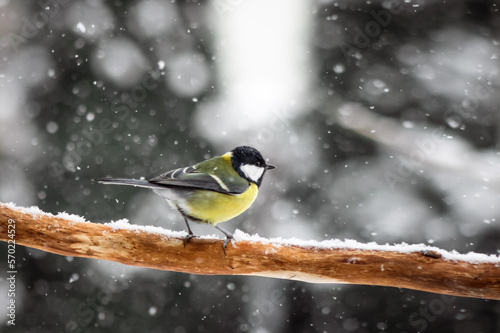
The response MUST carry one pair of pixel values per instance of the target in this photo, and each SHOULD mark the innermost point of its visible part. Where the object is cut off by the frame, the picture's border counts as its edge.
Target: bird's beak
(270, 166)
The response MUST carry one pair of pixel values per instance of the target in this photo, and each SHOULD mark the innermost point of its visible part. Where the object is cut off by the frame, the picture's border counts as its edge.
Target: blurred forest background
(382, 117)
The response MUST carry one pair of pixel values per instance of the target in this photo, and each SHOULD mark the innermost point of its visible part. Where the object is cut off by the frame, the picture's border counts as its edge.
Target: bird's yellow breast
(214, 207)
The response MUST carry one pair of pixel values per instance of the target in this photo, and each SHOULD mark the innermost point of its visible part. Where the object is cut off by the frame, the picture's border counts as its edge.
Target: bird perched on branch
(213, 191)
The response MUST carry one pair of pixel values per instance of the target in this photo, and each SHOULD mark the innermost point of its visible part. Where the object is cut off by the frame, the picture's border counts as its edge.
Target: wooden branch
(430, 270)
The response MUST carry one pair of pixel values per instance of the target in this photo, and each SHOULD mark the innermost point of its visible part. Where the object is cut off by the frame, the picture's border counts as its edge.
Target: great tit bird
(213, 191)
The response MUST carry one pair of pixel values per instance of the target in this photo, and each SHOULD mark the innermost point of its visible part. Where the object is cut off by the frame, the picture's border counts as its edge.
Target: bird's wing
(208, 175)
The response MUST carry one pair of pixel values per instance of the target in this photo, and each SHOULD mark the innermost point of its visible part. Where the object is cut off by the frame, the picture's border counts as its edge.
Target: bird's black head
(249, 164)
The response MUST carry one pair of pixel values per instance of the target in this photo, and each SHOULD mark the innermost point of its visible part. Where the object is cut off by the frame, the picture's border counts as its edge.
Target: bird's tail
(126, 181)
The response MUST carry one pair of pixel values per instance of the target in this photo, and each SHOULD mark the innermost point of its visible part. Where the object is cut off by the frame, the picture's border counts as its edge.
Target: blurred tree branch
(425, 271)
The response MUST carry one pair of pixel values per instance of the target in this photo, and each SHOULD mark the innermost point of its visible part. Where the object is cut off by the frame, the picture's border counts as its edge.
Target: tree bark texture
(421, 270)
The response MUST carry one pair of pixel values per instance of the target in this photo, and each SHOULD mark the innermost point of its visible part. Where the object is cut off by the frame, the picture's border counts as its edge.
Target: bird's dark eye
(258, 164)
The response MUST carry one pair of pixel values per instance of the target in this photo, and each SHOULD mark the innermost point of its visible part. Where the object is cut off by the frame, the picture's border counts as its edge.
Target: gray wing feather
(126, 181)
(188, 177)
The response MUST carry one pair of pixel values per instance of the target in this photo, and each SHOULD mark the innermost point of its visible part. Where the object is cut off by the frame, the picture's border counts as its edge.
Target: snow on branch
(417, 267)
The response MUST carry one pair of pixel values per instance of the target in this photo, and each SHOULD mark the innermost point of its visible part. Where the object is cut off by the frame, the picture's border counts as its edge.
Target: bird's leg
(229, 236)
(190, 233)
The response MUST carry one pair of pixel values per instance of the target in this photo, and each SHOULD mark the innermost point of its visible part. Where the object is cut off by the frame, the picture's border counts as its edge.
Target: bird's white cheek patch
(253, 172)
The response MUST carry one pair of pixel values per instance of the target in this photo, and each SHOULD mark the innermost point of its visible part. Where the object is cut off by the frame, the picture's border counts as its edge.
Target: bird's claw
(226, 241)
(188, 238)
